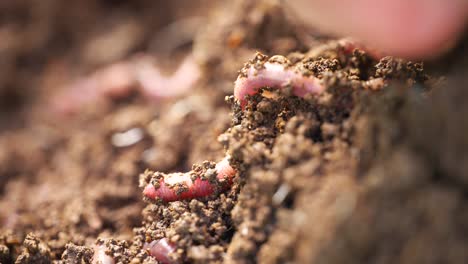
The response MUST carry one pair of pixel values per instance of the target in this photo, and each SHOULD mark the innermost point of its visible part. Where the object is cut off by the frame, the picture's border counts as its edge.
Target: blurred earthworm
(155, 85)
(121, 78)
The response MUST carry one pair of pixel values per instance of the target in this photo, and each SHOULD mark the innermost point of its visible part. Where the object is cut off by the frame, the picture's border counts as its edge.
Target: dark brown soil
(371, 171)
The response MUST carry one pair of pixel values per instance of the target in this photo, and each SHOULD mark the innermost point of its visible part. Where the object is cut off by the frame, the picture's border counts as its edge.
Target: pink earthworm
(121, 78)
(161, 249)
(100, 256)
(155, 85)
(277, 72)
(274, 74)
(181, 186)
(115, 80)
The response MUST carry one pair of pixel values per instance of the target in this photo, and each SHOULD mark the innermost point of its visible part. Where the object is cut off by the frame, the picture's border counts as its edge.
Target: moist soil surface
(373, 170)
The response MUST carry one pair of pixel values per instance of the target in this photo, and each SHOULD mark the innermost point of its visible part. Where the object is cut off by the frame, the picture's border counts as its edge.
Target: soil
(373, 170)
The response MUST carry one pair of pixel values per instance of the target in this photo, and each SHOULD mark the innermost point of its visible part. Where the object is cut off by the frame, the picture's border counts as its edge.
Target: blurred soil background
(373, 171)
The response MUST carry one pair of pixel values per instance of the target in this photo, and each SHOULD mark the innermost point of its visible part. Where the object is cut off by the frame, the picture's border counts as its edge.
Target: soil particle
(34, 251)
(394, 68)
(193, 226)
(74, 254)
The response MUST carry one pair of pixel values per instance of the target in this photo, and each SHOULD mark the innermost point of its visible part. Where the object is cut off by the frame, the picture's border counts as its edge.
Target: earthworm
(277, 73)
(115, 80)
(100, 256)
(160, 250)
(121, 78)
(154, 84)
(181, 186)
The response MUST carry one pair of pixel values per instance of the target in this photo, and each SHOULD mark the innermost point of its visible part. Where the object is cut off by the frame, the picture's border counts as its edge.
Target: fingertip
(406, 28)
(413, 29)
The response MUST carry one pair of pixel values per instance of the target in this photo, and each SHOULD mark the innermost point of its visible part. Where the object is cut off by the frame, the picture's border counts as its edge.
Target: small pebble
(281, 194)
(127, 138)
